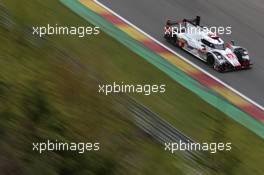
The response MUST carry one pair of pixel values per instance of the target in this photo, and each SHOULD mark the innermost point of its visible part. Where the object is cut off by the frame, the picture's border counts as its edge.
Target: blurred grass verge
(48, 90)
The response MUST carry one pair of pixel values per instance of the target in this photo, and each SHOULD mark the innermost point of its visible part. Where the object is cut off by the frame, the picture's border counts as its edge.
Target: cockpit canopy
(220, 46)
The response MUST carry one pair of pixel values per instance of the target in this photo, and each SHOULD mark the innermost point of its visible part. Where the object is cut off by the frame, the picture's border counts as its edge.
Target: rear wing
(196, 21)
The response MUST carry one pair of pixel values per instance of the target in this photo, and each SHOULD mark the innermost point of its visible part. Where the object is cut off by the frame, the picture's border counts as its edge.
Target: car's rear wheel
(174, 40)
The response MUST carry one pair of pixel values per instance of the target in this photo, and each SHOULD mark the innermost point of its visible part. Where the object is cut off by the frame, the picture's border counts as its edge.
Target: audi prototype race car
(206, 45)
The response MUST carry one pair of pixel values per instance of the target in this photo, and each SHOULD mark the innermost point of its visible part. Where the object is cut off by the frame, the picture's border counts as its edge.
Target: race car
(206, 45)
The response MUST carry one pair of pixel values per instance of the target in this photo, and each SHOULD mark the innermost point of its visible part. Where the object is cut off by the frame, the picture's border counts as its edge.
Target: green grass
(59, 75)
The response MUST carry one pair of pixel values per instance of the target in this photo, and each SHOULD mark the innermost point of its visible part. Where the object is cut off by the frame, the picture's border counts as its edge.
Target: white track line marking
(182, 57)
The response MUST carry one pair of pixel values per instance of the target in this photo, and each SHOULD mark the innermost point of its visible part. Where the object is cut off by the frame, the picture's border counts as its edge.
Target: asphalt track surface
(245, 17)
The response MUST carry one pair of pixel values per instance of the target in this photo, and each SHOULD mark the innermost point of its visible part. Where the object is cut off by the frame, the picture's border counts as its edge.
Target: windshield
(214, 46)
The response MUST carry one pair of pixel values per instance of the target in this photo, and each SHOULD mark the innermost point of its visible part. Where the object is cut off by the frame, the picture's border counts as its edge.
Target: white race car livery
(207, 46)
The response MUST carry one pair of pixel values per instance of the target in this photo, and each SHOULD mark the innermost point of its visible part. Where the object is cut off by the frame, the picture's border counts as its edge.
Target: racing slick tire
(210, 60)
(173, 40)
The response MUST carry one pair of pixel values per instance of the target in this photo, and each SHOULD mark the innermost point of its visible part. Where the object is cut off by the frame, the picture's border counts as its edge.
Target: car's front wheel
(210, 60)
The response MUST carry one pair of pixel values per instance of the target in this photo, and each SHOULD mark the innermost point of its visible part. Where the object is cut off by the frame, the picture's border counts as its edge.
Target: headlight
(220, 57)
(245, 57)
